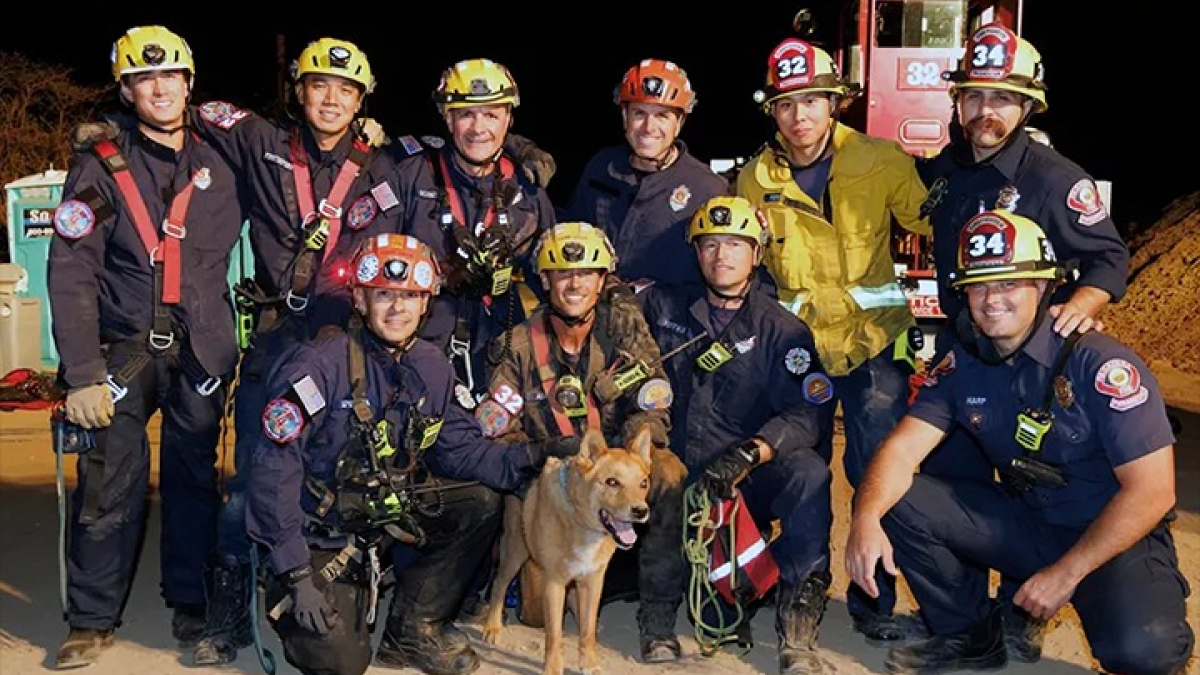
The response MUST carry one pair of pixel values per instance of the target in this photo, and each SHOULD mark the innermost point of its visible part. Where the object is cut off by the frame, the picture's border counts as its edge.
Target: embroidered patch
(423, 274)
(361, 212)
(384, 196)
(411, 145)
(282, 421)
(493, 418)
(202, 179)
(743, 346)
(944, 367)
(1007, 198)
(817, 388)
(508, 398)
(222, 114)
(463, 395)
(1084, 199)
(680, 197)
(1121, 380)
(655, 394)
(797, 360)
(433, 141)
(310, 397)
(74, 219)
(368, 269)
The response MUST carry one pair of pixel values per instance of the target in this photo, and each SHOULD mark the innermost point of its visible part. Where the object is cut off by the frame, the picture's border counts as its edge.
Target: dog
(575, 515)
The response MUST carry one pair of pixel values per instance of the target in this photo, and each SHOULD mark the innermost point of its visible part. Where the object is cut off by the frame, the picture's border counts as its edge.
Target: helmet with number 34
(1000, 246)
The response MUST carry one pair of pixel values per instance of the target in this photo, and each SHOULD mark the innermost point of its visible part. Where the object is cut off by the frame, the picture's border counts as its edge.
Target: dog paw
(491, 634)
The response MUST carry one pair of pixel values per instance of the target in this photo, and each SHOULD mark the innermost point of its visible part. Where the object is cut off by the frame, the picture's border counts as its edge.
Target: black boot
(228, 628)
(656, 627)
(981, 647)
(1023, 636)
(798, 614)
(187, 623)
(82, 647)
(433, 647)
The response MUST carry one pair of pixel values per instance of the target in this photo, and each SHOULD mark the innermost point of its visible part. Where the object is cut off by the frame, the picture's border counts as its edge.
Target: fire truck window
(908, 23)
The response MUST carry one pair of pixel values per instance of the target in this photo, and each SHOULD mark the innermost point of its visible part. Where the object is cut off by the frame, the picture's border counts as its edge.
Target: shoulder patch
(362, 212)
(507, 396)
(1121, 381)
(1084, 199)
(493, 418)
(74, 219)
(435, 142)
(944, 367)
(680, 197)
(655, 394)
(282, 421)
(817, 388)
(221, 114)
(310, 396)
(384, 196)
(797, 360)
(410, 145)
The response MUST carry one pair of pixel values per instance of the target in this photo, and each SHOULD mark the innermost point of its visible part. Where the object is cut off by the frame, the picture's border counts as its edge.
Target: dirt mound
(1160, 314)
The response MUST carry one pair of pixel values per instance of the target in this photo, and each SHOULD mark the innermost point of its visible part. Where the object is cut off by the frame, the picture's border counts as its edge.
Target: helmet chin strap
(668, 158)
(781, 154)
(484, 164)
(981, 347)
(573, 321)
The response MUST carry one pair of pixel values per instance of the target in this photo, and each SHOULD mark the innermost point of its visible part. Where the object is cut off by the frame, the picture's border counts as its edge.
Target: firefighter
(1078, 430)
(143, 323)
(752, 408)
(830, 195)
(992, 162)
(362, 442)
(566, 369)
(643, 192)
(479, 214)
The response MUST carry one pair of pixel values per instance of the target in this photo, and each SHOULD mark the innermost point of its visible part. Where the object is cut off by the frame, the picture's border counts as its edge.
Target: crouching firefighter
(582, 362)
(348, 463)
(751, 407)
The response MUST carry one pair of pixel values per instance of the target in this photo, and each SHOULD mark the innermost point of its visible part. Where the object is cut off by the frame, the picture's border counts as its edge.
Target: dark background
(1118, 80)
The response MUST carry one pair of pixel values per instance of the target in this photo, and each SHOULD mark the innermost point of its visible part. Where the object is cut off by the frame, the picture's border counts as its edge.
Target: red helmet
(397, 261)
(657, 81)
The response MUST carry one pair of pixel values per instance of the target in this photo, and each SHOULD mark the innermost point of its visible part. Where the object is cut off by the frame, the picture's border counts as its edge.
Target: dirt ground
(31, 624)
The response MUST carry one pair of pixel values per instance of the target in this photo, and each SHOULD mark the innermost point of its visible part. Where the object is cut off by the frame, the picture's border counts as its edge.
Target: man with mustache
(992, 163)
(830, 195)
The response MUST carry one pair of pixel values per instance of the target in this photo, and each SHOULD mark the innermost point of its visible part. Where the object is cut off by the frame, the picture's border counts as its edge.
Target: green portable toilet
(31, 204)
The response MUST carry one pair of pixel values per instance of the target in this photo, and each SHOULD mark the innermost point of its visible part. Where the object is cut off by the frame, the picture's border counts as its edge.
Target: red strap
(331, 206)
(167, 251)
(541, 355)
(456, 208)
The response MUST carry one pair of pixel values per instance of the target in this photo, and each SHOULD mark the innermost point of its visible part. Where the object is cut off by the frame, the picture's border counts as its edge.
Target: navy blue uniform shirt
(1031, 180)
(1108, 410)
(260, 150)
(773, 387)
(646, 215)
(301, 439)
(99, 278)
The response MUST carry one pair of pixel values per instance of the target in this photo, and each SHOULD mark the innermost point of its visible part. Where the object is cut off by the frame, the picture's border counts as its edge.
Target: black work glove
(563, 446)
(309, 606)
(537, 164)
(726, 471)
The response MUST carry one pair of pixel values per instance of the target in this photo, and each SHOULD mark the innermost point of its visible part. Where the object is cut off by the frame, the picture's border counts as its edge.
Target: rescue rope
(699, 532)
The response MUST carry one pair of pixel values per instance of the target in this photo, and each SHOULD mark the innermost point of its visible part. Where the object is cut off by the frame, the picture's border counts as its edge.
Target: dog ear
(593, 445)
(643, 442)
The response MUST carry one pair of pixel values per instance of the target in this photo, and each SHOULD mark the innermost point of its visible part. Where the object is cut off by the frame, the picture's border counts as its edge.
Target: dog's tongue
(623, 533)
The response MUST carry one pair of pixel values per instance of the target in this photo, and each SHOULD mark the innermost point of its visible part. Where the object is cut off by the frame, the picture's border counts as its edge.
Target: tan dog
(574, 517)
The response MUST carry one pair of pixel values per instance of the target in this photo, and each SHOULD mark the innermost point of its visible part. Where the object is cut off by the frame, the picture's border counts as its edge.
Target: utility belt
(138, 352)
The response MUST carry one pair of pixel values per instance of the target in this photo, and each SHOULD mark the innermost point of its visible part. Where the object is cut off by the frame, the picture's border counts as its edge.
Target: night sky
(1116, 82)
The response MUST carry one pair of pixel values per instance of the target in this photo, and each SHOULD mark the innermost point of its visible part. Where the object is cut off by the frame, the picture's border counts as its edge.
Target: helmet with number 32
(795, 67)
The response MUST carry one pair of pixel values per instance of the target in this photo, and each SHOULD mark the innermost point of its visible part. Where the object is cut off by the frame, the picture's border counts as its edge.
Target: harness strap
(547, 375)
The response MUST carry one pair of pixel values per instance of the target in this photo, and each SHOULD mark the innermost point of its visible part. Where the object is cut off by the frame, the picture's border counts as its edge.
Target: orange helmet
(796, 66)
(657, 81)
(397, 261)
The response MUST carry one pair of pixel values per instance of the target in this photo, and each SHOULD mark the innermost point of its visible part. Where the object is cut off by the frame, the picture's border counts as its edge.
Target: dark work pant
(874, 397)
(948, 534)
(106, 535)
(346, 648)
(433, 583)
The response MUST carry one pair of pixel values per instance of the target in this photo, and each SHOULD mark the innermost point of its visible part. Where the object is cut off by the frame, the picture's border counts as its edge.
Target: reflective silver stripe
(795, 303)
(887, 295)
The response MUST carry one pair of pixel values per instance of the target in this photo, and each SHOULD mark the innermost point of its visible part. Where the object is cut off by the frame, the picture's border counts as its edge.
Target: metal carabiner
(296, 303)
(118, 392)
(207, 387)
(161, 341)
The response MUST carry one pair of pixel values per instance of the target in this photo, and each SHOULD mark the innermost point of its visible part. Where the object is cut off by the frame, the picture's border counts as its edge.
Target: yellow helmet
(999, 245)
(575, 246)
(996, 58)
(730, 215)
(145, 48)
(475, 82)
(796, 66)
(330, 56)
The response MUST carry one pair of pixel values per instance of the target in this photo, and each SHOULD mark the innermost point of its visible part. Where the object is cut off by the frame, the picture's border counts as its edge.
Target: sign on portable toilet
(31, 203)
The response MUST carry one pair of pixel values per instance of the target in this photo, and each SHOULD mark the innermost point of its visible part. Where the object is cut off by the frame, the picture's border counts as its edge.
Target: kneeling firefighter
(348, 465)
